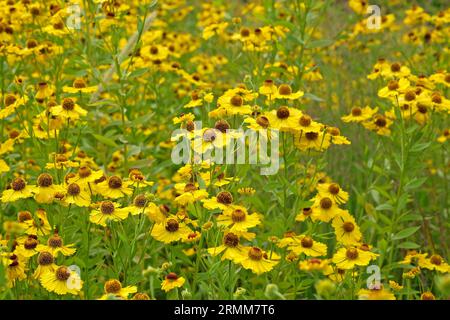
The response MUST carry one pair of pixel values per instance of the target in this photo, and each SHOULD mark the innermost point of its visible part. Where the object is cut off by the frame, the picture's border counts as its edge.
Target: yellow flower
(114, 187)
(62, 281)
(15, 268)
(332, 191)
(46, 263)
(213, 29)
(346, 230)
(78, 195)
(359, 6)
(284, 118)
(108, 211)
(375, 294)
(285, 92)
(258, 261)
(169, 231)
(172, 281)
(79, 85)
(305, 244)
(324, 209)
(312, 140)
(231, 249)
(236, 218)
(313, 264)
(222, 201)
(379, 124)
(348, 258)
(27, 247)
(394, 88)
(55, 245)
(435, 262)
(39, 226)
(68, 110)
(360, 114)
(18, 190)
(190, 194)
(114, 287)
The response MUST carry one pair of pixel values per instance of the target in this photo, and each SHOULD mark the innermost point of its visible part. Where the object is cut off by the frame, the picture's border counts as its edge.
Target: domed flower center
(348, 226)
(307, 242)
(283, 113)
(79, 83)
(393, 85)
(113, 286)
(231, 240)
(263, 121)
(238, 215)
(30, 243)
(172, 225)
(190, 187)
(115, 182)
(326, 203)
(190, 126)
(237, 101)
(380, 122)
(18, 184)
(306, 211)
(285, 90)
(352, 253)
(73, 189)
(140, 201)
(410, 95)
(209, 135)
(245, 32)
(305, 120)
(422, 108)
(356, 111)
(9, 100)
(84, 172)
(24, 216)
(395, 67)
(107, 207)
(255, 254)
(45, 258)
(222, 126)
(62, 273)
(436, 259)
(55, 241)
(334, 188)
(44, 180)
(312, 136)
(172, 276)
(224, 197)
(68, 104)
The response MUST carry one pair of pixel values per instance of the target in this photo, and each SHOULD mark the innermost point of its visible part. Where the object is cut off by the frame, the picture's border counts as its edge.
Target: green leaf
(405, 233)
(415, 183)
(106, 141)
(408, 245)
(384, 206)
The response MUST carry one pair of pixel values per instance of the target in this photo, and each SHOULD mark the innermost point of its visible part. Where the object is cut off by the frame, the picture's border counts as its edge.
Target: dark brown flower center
(190, 187)
(283, 113)
(209, 135)
(107, 207)
(222, 126)
(79, 83)
(352, 253)
(410, 95)
(45, 180)
(68, 104)
(62, 273)
(263, 121)
(55, 241)
(73, 189)
(380, 121)
(305, 120)
(393, 85)
(113, 286)
(224, 197)
(30, 243)
(115, 182)
(172, 276)
(356, 111)
(238, 215)
(436, 259)
(395, 67)
(326, 203)
(9, 100)
(255, 253)
(422, 108)
(307, 242)
(284, 90)
(306, 211)
(24, 216)
(311, 136)
(140, 201)
(18, 184)
(84, 172)
(45, 258)
(334, 188)
(237, 101)
(348, 226)
(172, 225)
(231, 240)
